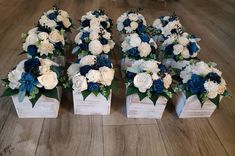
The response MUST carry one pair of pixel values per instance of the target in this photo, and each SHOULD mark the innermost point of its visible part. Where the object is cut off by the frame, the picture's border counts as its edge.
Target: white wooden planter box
(172, 63)
(93, 105)
(145, 108)
(44, 108)
(191, 107)
(126, 62)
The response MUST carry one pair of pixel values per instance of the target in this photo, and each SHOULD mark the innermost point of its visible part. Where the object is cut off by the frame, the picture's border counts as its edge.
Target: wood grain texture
(212, 20)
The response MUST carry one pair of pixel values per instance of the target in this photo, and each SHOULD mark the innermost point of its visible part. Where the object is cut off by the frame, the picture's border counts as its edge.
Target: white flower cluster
(38, 43)
(96, 41)
(103, 75)
(165, 26)
(96, 19)
(55, 18)
(130, 22)
(213, 85)
(47, 78)
(146, 75)
(135, 45)
(181, 47)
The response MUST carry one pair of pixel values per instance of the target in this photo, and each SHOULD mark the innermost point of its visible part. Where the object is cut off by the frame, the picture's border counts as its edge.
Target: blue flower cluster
(158, 86)
(196, 84)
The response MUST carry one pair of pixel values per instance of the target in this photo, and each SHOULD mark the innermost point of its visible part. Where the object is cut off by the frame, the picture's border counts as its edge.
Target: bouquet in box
(148, 79)
(95, 41)
(32, 78)
(203, 80)
(92, 74)
(165, 26)
(131, 22)
(44, 44)
(136, 46)
(55, 19)
(96, 18)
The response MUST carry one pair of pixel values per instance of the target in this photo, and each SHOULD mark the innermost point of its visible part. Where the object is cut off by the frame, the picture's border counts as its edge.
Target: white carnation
(185, 53)
(46, 48)
(32, 39)
(87, 60)
(79, 83)
(178, 48)
(66, 22)
(48, 80)
(222, 86)
(183, 40)
(150, 66)
(144, 49)
(135, 41)
(43, 35)
(55, 36)
(133, 16)
(167, 80)
(107, 35)
(95, 47)
(201, 68)
(143, 81)
(64, 13)
(93, 76)
(94, 23)
(186, 74)
(14, 77)
(155, 76)
(107, 75)
(157, 23)
(106, 48)
(211, 88)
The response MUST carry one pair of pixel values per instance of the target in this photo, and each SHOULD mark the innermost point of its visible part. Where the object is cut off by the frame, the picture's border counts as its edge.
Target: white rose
(66, 22)
(157, 23)
(43, 35)
(133, 17)
(48, 80)
(217, 71)
(120, 26)
(55, 36)
(73, 70)
(222, 86)
(106, 48)
(111, 44)
(43, 20)
(135, 41)
(64, 13)
(14, 77)
(150, 66)
(211, 88)
(144, 49)
(50, 24)
(183, 40)
(79, 83)
(95, 47)
(32, 39)
(178, 48)
(167, 80)
(93, 76)
(155, 76)
(143, 81)
(94, 23)
(186, 74)
(94, 35)
(201, 68)
(107, 75)
(59, 18)
(87, 60)
(107, 35)
(134, 25)
(185, 53)
(46, 48)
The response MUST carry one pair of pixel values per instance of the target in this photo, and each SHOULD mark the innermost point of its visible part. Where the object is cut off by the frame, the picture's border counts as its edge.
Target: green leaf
(9, 92)
(202, 98)
(216, 100)
(35, 99)
(96, 93)
(85, 94)
(106, 93)
(21, 53)
(142, 95)
(51, 93)
(226, 93)
(188, 94)
(154, 98)
(131, 90)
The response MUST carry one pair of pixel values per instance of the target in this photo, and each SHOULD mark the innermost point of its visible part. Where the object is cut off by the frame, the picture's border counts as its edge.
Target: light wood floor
(68, 135)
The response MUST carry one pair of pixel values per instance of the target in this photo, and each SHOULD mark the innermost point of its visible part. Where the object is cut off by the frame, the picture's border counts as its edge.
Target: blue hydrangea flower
(162, 68)
(133, 52)
(140, 28)
(85, 35)
(32, 66)
(86, 23)
(192, 47)
(104, 24)
(85, 69)
(158, 86)
(144, 38)
(213, 77)
(103, 41)
(169, 49)
(130, 75)
(127, 22)
(53, 15)
(92, 86)
(58, 46)
(32, 50)
(101, 61)
(28, 82)
(83, 46)
(196, 84)
(78, 61)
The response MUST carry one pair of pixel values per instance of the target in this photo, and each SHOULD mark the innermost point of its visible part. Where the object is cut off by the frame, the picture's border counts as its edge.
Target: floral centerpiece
(148, 89)
(165, 26)
(178, 50)
(131, 22)
(96, 18)
(55, 19)
(95, 41)
(33, 78)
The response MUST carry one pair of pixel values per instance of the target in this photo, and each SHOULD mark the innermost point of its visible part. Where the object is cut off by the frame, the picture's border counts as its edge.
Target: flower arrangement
(44, 44)
(54, 19)
(95, 41)
(180, 47)
(204, 80)
(165, 26)
(92, 74)
(136, 46)
(148, 79)
(32, 78)
(131, 22)
(96, 18)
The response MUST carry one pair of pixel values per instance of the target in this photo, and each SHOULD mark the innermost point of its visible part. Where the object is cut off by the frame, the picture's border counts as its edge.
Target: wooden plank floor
(212, 20)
